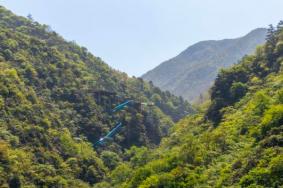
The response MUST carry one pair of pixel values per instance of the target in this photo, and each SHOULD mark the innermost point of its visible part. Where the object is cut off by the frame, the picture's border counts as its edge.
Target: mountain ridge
(51, 116)
(182, 75)
(235, 140)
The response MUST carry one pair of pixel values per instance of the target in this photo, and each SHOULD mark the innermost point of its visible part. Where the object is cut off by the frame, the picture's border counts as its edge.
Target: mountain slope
(235, 141)
(193, 71)
(51, 114)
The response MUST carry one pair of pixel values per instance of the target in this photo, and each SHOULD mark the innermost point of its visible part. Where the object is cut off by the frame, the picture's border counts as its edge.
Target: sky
(134, 36)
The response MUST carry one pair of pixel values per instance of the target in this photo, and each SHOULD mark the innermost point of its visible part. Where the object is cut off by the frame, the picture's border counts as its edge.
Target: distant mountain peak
(193, 71)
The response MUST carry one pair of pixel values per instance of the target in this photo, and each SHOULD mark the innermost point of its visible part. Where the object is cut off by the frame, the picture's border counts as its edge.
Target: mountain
(193, 71)
(235, 140)
(56, 100)
(55, 103)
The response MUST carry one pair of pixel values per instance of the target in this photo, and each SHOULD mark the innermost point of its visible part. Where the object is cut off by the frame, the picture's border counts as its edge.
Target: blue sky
(134, 36)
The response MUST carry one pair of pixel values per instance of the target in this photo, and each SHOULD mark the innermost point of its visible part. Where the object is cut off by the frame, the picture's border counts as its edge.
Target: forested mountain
(236, 140)
(56, 100)
(55, 103)
(193, 71)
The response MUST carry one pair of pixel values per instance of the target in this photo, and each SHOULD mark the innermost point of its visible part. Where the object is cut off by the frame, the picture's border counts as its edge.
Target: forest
(56, 100)
(55, 103)
(234, 140)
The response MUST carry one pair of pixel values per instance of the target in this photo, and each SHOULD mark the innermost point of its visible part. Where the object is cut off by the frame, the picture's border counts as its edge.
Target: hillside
(193, 71)
(55, 103)
(235, 141)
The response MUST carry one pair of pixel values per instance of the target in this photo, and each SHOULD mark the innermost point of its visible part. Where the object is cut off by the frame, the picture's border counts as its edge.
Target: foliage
(235, 141)
(51, 116)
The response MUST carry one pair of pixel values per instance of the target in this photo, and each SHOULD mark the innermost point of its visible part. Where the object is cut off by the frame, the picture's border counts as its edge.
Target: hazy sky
(136, 35)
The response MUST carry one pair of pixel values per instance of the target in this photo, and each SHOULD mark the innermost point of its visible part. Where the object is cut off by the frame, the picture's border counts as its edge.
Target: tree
(238, 90)
(110, 159)
(270, 45)
(29, 16)
(270, 37)
(279, 26)
(15, 182)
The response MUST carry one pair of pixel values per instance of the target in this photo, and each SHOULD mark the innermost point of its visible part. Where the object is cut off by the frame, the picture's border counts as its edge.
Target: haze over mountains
(56, 101)
(193, 71)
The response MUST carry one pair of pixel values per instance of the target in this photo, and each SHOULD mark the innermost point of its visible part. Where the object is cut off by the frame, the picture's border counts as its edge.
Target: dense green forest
(55, 102)
(51, 116)
(235, 140)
